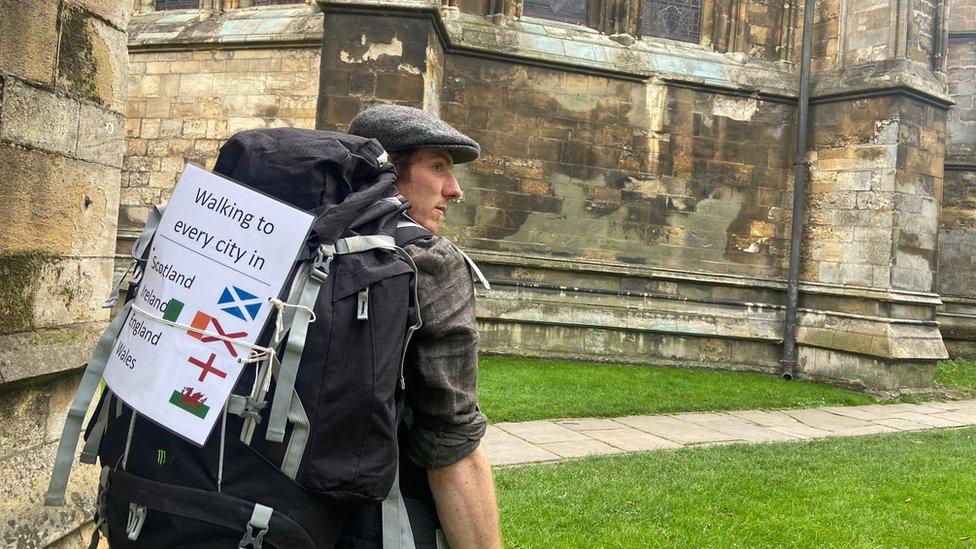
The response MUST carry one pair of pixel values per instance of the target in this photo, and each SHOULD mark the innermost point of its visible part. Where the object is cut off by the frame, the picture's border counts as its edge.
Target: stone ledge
(28, 355)
(245, 27)
(607, 267)
(573, 47)
(880, 78)
(569, 47)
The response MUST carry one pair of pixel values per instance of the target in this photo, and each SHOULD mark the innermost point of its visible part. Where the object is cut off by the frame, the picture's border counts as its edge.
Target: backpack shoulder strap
(76, 414)
(409, 231)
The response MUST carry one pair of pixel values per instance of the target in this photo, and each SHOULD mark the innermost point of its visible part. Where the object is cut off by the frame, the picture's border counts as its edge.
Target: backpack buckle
(320, 269)
(252, 409)
(256, 527)
(253, 536)
(135, 521)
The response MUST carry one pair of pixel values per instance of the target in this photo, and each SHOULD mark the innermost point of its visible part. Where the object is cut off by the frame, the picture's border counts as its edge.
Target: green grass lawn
(900, 490)
(521, 389)
(957, 374)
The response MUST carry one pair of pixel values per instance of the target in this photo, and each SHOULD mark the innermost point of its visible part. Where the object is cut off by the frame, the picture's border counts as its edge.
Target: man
(440, 454)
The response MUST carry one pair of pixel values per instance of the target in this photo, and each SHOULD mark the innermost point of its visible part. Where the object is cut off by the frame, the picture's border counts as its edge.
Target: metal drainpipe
(800, 169)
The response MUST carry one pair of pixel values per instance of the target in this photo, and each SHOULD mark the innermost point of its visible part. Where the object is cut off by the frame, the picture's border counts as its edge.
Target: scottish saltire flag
(240, 303)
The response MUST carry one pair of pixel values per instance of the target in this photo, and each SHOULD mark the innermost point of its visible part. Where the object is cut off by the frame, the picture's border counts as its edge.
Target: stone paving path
(555, 440)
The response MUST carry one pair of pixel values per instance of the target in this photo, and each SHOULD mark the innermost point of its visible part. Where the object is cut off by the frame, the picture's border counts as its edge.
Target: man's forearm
(465, 496)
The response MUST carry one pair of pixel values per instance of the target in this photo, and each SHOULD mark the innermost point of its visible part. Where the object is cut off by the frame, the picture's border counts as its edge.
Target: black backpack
(290, 458)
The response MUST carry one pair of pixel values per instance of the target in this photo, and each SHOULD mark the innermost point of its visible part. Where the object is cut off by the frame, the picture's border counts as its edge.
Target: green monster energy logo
(160, 457)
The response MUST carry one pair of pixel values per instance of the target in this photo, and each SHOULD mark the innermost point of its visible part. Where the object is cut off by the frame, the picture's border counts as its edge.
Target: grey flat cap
(397, 128)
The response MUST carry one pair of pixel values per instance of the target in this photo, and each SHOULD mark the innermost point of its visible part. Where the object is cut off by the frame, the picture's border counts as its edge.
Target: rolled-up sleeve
(442, 360)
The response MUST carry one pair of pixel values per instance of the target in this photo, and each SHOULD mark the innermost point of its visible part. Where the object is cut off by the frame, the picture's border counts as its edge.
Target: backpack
(309, 433)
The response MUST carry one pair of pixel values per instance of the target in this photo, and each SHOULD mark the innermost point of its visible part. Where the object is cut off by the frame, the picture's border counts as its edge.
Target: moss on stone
(19, 274)
(77, 67)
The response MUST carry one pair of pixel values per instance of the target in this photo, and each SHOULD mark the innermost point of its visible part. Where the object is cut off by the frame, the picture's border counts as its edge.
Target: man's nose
(452, 189)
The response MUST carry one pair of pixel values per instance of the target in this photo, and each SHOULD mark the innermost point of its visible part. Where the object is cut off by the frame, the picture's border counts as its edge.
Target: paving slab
(950, 405)
(541, 432)
(819, 419)
(870, 429)
(676, 429)
(632, 440)
(866, 413)
(966, 418)
(775, 418)
(909, 407)
(929, 420)
(748, 431)
(801, 431)
(506, 449)
(702, 418)
(589, 424)
(901, 424)
(965, 405)
(540, 441)
(580, 448)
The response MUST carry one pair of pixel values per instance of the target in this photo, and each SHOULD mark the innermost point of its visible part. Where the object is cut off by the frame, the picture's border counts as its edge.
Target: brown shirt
(442, 360)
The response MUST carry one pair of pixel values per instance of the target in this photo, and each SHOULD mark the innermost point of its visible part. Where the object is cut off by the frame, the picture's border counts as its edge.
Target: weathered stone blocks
(93, 60)
(29, 49)
(55, 205)
(29, 438)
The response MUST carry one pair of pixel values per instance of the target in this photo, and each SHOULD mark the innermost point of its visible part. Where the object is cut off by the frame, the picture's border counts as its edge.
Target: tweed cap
(398, 128)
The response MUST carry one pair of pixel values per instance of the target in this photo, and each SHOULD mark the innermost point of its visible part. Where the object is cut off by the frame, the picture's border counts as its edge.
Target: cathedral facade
(634, 199)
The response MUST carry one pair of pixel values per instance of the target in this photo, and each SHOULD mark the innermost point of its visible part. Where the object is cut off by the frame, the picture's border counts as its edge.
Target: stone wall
(619, 171)
(187, 101)
(634, 198)
(63, 69)
(957, 231)
(673, 173)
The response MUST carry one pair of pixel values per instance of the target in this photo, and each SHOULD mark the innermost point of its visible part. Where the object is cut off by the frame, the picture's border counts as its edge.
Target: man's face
(429, 184)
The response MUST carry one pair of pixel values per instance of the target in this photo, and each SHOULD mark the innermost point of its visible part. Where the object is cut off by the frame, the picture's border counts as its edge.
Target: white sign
(220, 252)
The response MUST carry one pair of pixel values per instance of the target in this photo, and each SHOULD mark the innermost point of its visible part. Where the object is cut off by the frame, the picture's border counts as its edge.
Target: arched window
(176, 4)
(568, 11)
(674, 19)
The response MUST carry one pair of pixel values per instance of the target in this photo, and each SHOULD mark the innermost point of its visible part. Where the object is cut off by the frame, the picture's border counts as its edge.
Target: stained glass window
(674, 19)
(569, 11)
(177, 4)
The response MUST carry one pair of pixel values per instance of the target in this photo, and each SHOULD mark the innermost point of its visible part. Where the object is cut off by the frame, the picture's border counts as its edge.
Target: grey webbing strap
(255, 401)
(101, 510)
(285, 383)
(298, 439)
(407, 222)
(257, 527)
(90, 451)
(356, 244)
(128, 439)
(141, 243)
(236, 404)
(138, 248)
(416, 303)
(295, 293)
(440, 540)
(474, 269)
(397, 533)
(76, 414)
